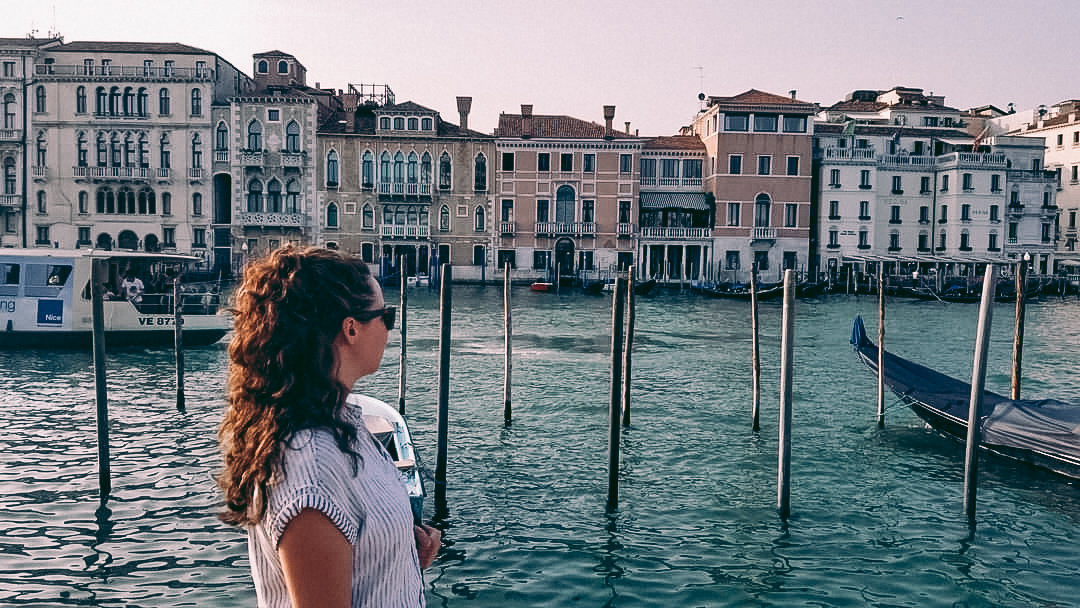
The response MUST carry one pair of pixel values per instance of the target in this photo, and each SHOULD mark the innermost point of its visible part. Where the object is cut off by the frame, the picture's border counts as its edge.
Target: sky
(649, 59)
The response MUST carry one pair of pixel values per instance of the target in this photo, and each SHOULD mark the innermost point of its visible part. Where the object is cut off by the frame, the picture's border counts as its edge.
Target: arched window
(114, 101)
(565, 205)
(444, 218)
(331, 215)
(367, 170)
(399, 168)
(273, 196)
(481, 173)
(80, 149)
(332, 169)
(166, 203)
(151, 204)
(84, 202)
(80, 100)
(221, 137)
(9, 111)
(414, 124)
(115, 152)
(9, 175)
(39, 98)
(264, 67)
(129, 101)
(283, 67)
(292, 137)
(143, 103)
(163, 102)
(762, 210)
(129, 150)
(399, 123)
(478, 219)
(101, 102)
(42, 207)
(196, 152)
(144, 151)
(42, 150)
(384, 168)
(413, 173)
(384, 123)
(444, 172)
(425, 169)
(411, 216)
(196, 102)
(165, 153)
(142, 202)
(254, 197)
(292, 196)
(102, 151)
(368, 217)
(425, 124)
(254, 140)
(125, 202)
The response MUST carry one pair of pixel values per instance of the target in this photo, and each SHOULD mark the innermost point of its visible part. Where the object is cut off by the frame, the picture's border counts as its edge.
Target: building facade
(567, 193)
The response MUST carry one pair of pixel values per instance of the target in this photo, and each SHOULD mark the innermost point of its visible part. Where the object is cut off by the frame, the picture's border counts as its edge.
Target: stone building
(567, 193)
(395, 179)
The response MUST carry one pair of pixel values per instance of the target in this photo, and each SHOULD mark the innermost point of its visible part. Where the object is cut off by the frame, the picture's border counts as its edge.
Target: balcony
(251, 218)
(164, 174)
(626, 230)
(10, 134)
(11, 200)
(195, 174)
(114, 173)
(566, 228)
(904, 161)
(221, 156)
(39, 173)
(1014, 209)
(833, 153)
(763, 233)
(507, 228)
(292, 159)
(53, 71)
(675, 233)
(973, 160)
(404, 231)
(251, 158)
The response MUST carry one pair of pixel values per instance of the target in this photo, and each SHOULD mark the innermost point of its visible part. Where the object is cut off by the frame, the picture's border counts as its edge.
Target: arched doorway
(104, 241)
(150, 243)
(564, 257)
(127, 240)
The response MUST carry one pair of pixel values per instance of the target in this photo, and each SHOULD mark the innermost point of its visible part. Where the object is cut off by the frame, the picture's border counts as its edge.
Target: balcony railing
(117, 173)
(251, 158)
(676, 233)
(123, 72)
(763, 233)
(251, 218)
(39, 172)
(292, 159)
(10, 134)
(195, 173)
(507, 227)
(904, 160)
(850, 154)
(404, 231)
(221, 156)
(972, 159)
(566, 228)
(625, 229)
(10, 200)
(164, 174)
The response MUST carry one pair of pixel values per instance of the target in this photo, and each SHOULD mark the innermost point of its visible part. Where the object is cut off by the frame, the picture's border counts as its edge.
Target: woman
(328, 520)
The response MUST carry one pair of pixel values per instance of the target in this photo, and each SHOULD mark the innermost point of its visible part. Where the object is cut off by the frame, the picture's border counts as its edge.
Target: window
(196, 152)
(1075, 173)
(965, 213)
(292, 197)
(864, 210)
(292, 137)
(9, 69)
(588, 211)
(588, 163)
(543, 162)
(444, 170)
(414, 124)
(924, 215)
(793, 165)
(254, 197)
(9, 175)
(42, 157)
(994, 217)
(834, 178)
(478, 219)
(168, 236)
(736, 122)
(1013, 227)
(273, 115)
(1014, 198)
(761, 260)
(894, 214)
(626, 163)
(967, 182)
(791, 215)
(332, 169)
(507, 257)
(924, 185)
(541, 260)
(944, 214)
(542, 214)
(733, 214)
(1060, 139)
(163, 101)
(585, 260)
(263, 67)
(332, 215)
(765, 122)
(114, 101)
(165, 154)
(196, 203)
(196, 102)
(691, 169)
(412, 171)
(897, 184)
(794, 124)
(9, 111)
(735, 164)
(834, 238)
(731, 260)
(507, 211)
(198, 237)
(941, 241)
(84, 202)
(80, 100)
(399, 123)
(964, 238)
(384, 123)
(444, 218)
(84, 235)
(480, 180)
(864, 179)
(764, 165)
(283, 67)
(39, 102)
(507, 161)
(944, 183)
(992, 242)
(924, 241)
(669, 171)
(566, 162)
(1047, 231)
(43, 236)
(426, 124)
(367, 169)
(834, 210)
(41, 206)
(930, 121)
(254, 138)
(273, 196)
(762, 210)
(864, 239)
(166, 203)
(221, 137)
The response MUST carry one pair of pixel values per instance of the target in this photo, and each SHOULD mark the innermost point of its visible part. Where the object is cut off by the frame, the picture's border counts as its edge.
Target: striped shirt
(371, 509)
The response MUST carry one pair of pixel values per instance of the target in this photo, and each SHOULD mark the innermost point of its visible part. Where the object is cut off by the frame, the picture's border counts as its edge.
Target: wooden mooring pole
(755, 354)
(403, 328)
(178, 340)
(614, 409)
(787, 343)
(628, 347)
(1018, 335)
(881, 352)
(99, 275)
(978, 381)
(446, 278)
(508, 364)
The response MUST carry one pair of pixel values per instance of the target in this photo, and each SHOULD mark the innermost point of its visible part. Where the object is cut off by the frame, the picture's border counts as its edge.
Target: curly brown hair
(287, 313)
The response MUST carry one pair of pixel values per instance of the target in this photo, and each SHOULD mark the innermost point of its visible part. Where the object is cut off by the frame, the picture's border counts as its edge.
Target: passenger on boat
(132, 287)
(329, 522)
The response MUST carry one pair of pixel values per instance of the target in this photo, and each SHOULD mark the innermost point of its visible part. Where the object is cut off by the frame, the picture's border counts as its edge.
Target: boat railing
(195, 299)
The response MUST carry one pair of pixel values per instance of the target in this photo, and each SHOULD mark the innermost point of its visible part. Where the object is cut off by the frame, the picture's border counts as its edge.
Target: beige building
(567, 195)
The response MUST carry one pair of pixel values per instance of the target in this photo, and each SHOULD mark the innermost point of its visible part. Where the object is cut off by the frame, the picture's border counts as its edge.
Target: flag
(980, 137)
(849, 128)
(896, 136)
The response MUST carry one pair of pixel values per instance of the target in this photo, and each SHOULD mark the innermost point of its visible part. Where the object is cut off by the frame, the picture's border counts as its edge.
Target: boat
(1043, 433)
(594, 288)
(742, 292)
(45, 300)
(542, 286)
(645, 288)
(389, 429)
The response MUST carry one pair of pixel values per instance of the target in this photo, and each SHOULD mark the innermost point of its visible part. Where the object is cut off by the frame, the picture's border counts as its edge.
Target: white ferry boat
(45, 300)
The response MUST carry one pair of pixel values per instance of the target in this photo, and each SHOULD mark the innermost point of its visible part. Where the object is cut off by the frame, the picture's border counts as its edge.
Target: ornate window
(292, 196)
(254, 138)
(196, 151)
(444, 172)
(331, 215)
(413, 172)
(254, 197)
(399, 168)
(425, 169)
(332, 169)
(39, 98)
(478, 219)
(273, 196)
(221, 137)
(142, 103)
(368, 217)
(762, 210)
(367, 170)
(292, 137)
(444, 218)
(384, 168)
(165, 156)
(480, 182)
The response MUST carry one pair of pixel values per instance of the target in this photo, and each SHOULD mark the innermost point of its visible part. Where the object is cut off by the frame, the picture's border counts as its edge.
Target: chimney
(464, 104)
(318, 85)
(526, 110)
(628, 127)
(792, 91)
(609, 115)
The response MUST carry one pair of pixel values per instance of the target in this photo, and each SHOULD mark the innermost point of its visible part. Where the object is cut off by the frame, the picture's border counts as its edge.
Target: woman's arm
(317, 562)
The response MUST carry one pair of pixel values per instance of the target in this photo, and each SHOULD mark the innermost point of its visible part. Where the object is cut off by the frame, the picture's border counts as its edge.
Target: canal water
(876, 514)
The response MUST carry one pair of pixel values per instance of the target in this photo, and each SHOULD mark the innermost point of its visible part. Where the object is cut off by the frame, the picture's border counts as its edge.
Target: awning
(957, 142)
(674, 200)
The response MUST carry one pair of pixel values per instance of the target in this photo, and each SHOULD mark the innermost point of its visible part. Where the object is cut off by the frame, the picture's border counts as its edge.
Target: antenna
(701, 87)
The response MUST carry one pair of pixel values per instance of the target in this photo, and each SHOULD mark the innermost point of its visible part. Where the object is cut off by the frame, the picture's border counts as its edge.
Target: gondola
(1044, 433)
(742, 292)
(645, 288)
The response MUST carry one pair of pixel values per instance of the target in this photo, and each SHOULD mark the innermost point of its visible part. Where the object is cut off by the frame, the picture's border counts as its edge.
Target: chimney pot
(792, 91)
(464, 105)
(628, 127)
(526, 110)
(609, 116)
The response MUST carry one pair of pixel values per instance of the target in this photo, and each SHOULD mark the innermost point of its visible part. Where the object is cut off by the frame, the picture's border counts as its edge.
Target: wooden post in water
(178, 339)
(630, 316)
(978, 381)
(403, 328)
(614, 409)
(881, 352)
(558, 277)
(508, 360)
(444, 384)
(1018, 335)
(98, 274)
(847, 283)
(755, 353)
(787, 340)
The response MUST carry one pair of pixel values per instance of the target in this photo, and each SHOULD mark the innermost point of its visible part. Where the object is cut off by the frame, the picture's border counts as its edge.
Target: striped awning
(674, 200)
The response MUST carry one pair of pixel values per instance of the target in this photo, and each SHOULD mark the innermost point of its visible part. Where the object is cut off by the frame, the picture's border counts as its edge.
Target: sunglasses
(387, 314)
